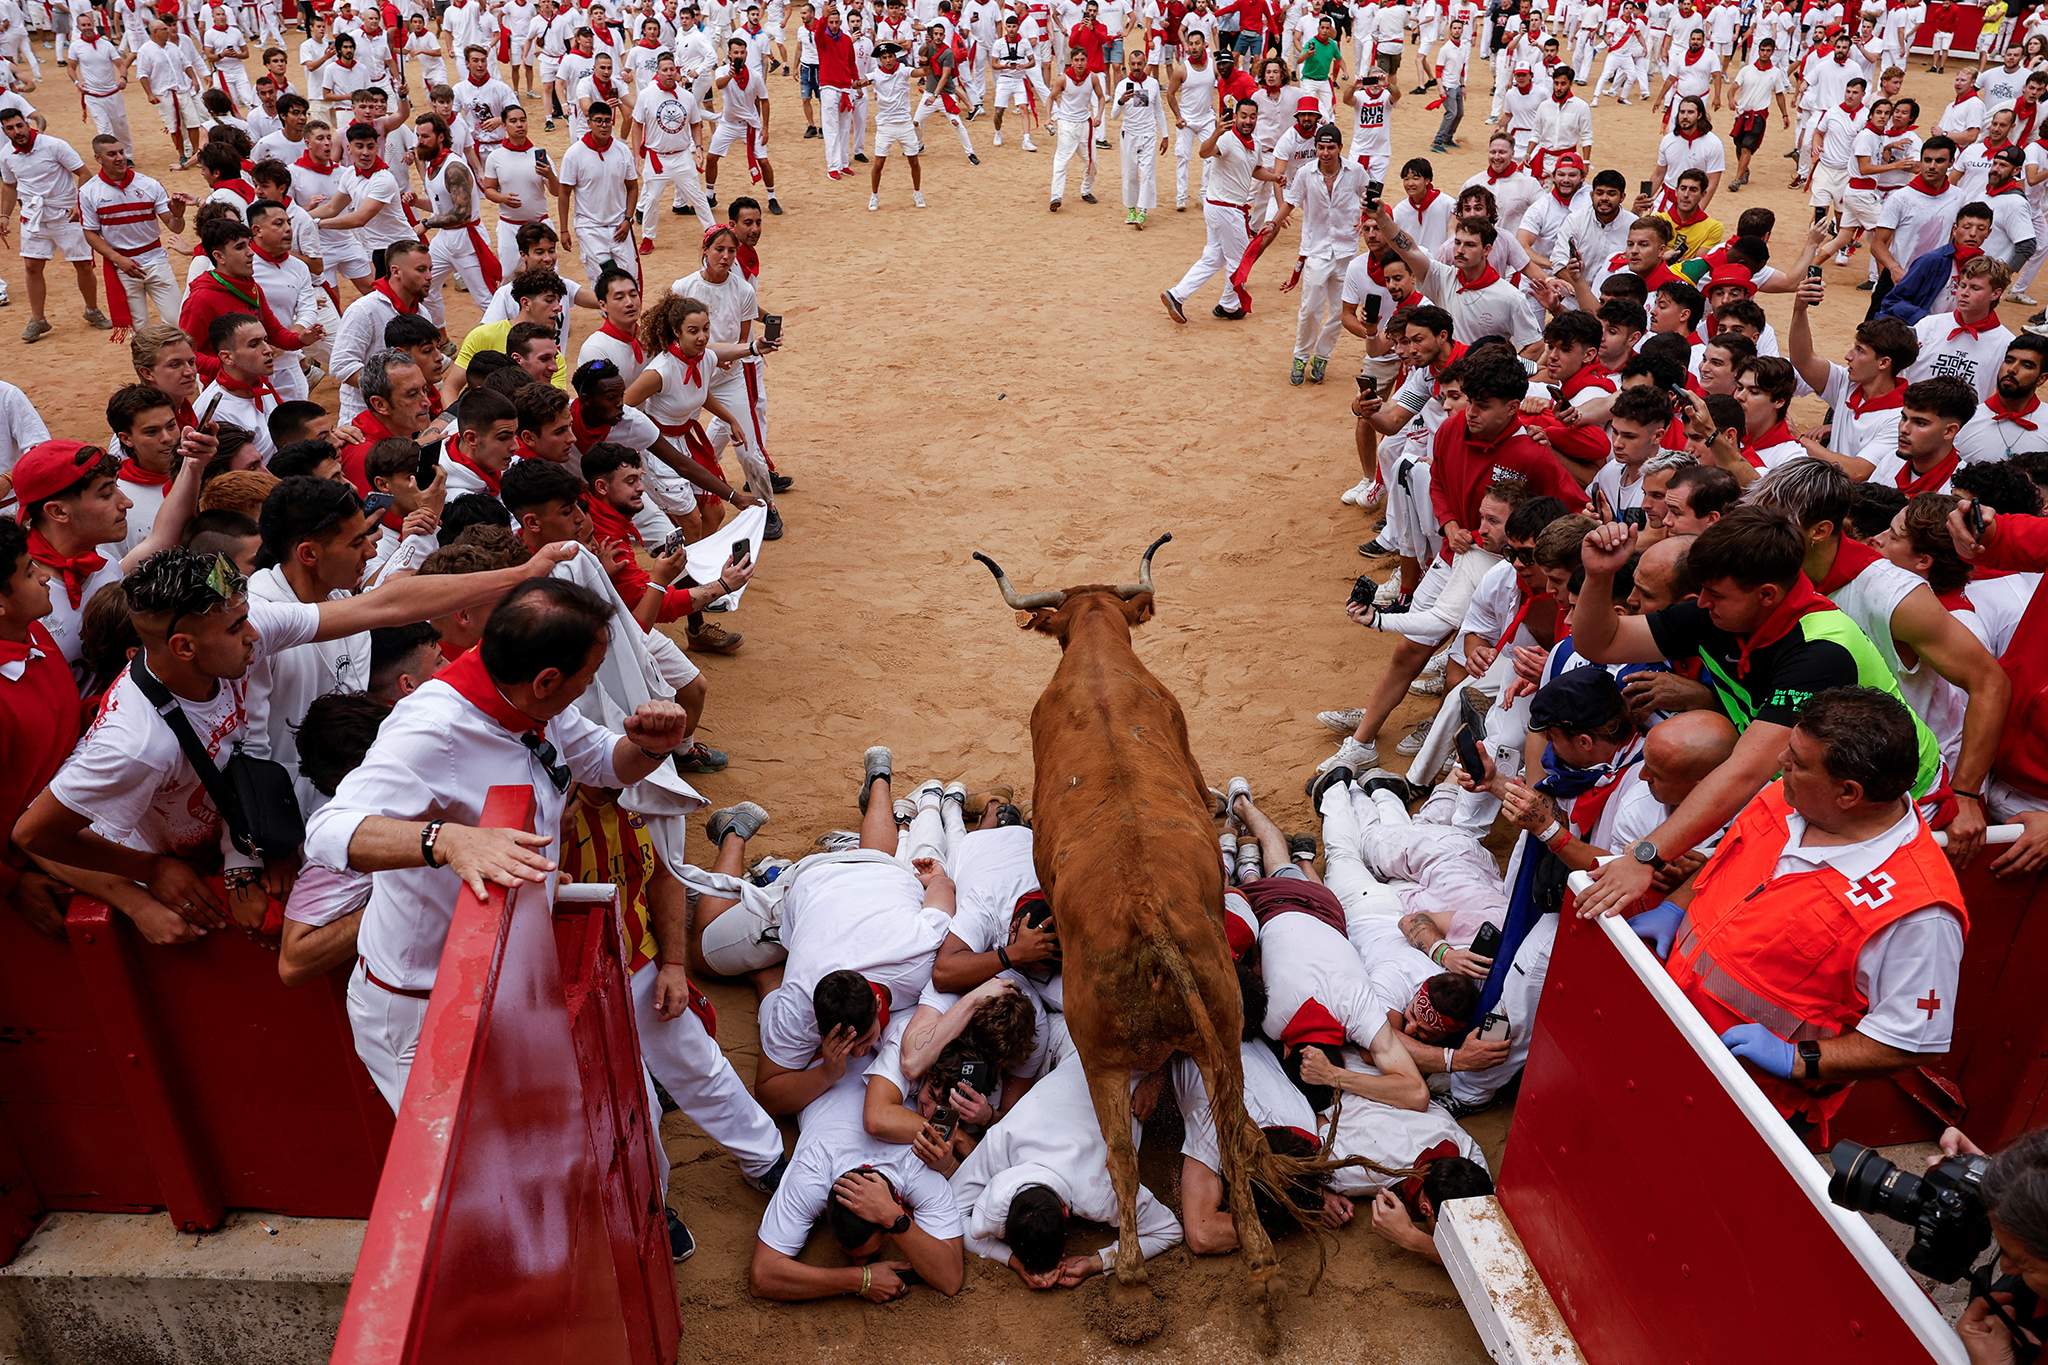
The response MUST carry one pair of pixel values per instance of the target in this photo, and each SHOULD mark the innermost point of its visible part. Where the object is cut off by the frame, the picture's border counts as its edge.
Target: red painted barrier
(1671, 1214)
(1966, 22)
(191, 1079)
(519, 1217)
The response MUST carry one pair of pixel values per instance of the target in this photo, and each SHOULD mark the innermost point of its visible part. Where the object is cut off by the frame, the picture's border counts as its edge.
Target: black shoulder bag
(255, 796)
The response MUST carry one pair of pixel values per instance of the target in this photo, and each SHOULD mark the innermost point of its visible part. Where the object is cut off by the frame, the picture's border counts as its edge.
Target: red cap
(1307, 105)
(1524, 71)
(1313, 1024)
(1728, 273)
(48, 468)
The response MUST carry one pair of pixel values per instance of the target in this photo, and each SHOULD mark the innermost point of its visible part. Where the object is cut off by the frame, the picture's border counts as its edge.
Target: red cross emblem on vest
(1930, 1002)
(1872, 891)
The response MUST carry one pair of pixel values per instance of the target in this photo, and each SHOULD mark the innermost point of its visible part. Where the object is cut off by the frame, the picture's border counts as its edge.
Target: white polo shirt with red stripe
(125, 215)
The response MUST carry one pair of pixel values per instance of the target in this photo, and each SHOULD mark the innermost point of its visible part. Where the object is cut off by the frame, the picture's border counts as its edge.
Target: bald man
(1660, 580)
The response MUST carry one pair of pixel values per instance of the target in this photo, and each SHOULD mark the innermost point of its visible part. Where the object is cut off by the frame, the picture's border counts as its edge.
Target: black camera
(1945, 1207)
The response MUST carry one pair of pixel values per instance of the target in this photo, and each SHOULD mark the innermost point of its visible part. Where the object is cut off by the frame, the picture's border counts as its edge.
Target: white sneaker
(999, 137)
(1841, 258)
(1430, 683)
(874, 202)
(2027, 299)
(1353, 755)
(1358, 495)
(1389, 593)
(1411, 743)
(917, 198)
(1029, 145)
(1342, 722)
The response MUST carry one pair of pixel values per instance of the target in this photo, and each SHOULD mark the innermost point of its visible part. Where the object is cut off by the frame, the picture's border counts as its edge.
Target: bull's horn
(1020, 601)
(1144, 583)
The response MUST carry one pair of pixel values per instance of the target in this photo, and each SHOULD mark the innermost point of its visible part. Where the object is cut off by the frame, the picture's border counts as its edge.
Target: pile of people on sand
(264, 653)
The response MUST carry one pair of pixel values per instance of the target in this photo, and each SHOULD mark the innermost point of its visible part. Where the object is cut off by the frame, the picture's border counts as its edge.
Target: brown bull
(1126, 854)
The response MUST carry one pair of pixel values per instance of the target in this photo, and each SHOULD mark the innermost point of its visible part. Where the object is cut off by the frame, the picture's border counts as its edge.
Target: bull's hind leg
(1110, 1089)
(1242, 1147)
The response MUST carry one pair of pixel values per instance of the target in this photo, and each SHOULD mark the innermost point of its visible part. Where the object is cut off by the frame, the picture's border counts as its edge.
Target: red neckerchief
(384, 287)
(586, 434)
(1763, 63)
(1913, 485)
(239, 187)
(1921, 185)
(881, 1005)
(1895, 397)
(1850, 109)
(1777, 435)
(609, 93)
(739, 77)
(1313, 1023)
(611, 526)
(693, 366)
(1487, 275)
(1561, 197)
(1964, 255)
(1692, 58)
(1694, 136)
(646, 43)
(1973, 330)
(490, 481)
(509, 145)
(1430, 197)
(617, 333)
(132, 472)
(2011, 186)
(73, 569)
(1512, 170)
(590, 140)
(1591, 375)
(254, 392)
(1588, 805)
(120, 184)
(1698, 216)
(468, 677)
(749, 260)
(1852, 557)
(1995, 405)
(1521, 614)
(318, 168)
(1801, 601)
(433, 168)
(1450, 358)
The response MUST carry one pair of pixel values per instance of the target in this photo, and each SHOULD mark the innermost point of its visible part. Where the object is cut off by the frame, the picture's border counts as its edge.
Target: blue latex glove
(1762, 1049)
(1658, 927)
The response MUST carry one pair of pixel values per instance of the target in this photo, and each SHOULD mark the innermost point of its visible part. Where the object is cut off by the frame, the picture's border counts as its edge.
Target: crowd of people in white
(264, 654)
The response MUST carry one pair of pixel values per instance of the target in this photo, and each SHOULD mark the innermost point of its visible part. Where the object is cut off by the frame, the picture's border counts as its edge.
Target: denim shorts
(1116, 50)
(807, 81)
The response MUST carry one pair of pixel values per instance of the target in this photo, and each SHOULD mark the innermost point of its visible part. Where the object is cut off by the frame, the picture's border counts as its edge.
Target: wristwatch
(900, 1226)
(1809, 1059)
(1645, 852)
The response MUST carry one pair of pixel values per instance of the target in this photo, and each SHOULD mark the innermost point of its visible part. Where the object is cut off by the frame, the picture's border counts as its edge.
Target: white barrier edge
(1864, 1244)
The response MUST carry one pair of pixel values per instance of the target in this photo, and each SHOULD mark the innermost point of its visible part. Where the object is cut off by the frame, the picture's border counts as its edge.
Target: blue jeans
(807, 81)
(1251, 44)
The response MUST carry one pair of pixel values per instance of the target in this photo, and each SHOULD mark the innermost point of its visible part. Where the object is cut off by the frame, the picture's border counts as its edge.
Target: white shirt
(518, 175)
(1496, 310)
(321, 894)
(599, 180)
(862, 915)
(126, 216)
(1985, 437)
(1972, 359)
(732, 304)
(1227, 178)
(162, 69)
(1329, 209)
(1306, 960)
(436, 757)
(1562, 126)
(1270, 1099)
(1962, 116)
(1141, 111)
(361, 331)
(1511, 193)
(388, 224)
(44, 177)
(288, 681)
(1430, 225)
(1754, 89)
(129, 777)
(1919, 222)
(1917, 957)
(1051, 1137)
(832, 1141)
(666, 118)
(98, 64)
(21, 426)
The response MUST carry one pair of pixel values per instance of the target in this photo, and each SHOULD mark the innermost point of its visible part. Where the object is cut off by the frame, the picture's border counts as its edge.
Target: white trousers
(928, 105)
(935, 831)
(387, 1033)
(1139, 156)
(1411, 525)
(598, 248)
(158, 286)
(1616, 73)
(1518, 999)
(1185, 140)
(110, 118)
(838, 126)
(678, 175)
(730, 386)
(1229, 233)
(452, 253)
(1073, 140)
(697, 1075)
(1321, 318)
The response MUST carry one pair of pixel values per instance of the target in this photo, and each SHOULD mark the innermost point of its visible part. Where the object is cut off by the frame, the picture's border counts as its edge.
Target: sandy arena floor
(983, 375)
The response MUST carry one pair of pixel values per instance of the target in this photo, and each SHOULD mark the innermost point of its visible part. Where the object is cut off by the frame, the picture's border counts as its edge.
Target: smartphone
(946, 1119)
(430, 464)
(540, 156)
(207, 417)
(1469, 757)
(1363, 591)
(1486, 943)
(1633, 516)
(1373, 190)
(1494, 1027)
(1645, 188)
(1372, 309)
(675, 541)
(771, 327)
(1813, 272)
(1368, 386)
(740, 550)
(377, 504)
(1973, 517)
(979, 1076)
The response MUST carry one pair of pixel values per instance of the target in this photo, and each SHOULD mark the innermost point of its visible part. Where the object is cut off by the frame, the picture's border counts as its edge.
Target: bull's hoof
(1128, 1314)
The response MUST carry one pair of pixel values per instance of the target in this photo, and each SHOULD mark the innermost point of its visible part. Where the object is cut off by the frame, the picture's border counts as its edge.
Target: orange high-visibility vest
(1781, 951)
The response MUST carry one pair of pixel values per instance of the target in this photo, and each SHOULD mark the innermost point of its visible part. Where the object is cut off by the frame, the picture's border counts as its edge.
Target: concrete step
(130, 1289)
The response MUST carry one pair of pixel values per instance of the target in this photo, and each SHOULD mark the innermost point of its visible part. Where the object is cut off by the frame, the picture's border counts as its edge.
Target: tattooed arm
(461, 198)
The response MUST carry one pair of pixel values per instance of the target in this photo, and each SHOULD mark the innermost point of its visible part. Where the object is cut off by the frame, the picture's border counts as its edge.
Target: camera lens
(1867, 1183)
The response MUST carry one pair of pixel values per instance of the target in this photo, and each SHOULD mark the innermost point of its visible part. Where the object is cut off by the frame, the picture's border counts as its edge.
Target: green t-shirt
(1317, 59)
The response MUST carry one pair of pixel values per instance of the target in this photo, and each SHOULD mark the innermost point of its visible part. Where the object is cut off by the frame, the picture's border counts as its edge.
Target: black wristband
(1003, 956)
(430, 834)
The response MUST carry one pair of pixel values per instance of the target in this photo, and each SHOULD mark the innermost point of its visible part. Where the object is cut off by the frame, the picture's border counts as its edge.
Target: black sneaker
(775, 206)
(1387, 782)
(774, 529)
(1301, 847)
(1220, 311)
(781, 483)
(861, 157)
(1008, 815)
(680, 209)
(681, 1245)
(666, 1100)
(1088, 198)
(2038, 318)
(769, 1180)
(1325, 780)
(1372, 549)
(973, 160)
